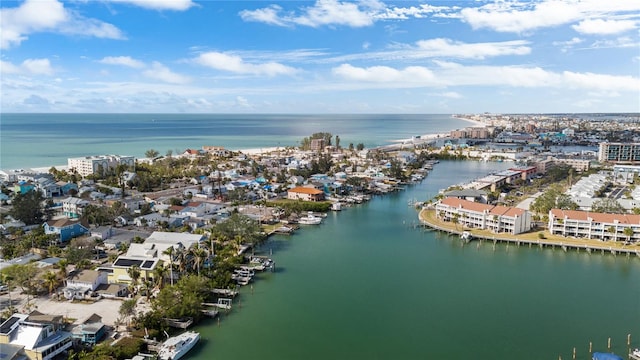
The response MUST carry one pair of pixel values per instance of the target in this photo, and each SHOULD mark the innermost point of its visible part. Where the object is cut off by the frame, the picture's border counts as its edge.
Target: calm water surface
(40, 140)
(367, 285)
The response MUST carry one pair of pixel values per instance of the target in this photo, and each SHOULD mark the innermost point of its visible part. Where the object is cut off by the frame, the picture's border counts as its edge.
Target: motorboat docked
(635, 354)
(176, 347)
(466, 236)
(310, 219)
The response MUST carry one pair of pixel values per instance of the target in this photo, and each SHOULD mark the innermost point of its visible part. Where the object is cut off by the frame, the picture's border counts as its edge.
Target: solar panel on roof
(147, 264)
(127, 262)
(6, 326)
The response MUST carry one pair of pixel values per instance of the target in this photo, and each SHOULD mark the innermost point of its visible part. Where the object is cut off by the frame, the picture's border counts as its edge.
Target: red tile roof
(306, 190)
(478, 207)
(596, 217)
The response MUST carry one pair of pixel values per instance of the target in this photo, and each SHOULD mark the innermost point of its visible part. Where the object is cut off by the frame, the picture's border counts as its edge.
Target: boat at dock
(466, 236)
(635, 354)
(176, 347)
(310, 219)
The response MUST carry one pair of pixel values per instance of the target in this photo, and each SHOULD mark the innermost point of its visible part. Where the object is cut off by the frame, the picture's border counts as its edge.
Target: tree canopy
(28, 207)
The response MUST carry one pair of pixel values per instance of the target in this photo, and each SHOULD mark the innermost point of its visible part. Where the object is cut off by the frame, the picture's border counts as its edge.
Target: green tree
(151, 153)
(127, 308)
(50, 280)
(28, 207)
(607, 205)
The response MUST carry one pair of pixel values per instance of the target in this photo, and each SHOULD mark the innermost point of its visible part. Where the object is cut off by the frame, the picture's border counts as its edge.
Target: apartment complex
(99, 164)
(499, 219)
(628, 153)
(590, 225)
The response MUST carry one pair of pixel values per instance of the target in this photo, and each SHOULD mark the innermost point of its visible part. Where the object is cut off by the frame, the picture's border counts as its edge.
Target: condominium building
(628, 153)
(590, 225)
(99, 164)
(499, 219)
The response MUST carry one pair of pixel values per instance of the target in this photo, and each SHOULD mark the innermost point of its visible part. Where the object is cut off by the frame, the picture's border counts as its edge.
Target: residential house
(72, 207)
(90, 331)
(483, 216)
(305, 193)
(40, 336)
(81, 282)
(66, 229)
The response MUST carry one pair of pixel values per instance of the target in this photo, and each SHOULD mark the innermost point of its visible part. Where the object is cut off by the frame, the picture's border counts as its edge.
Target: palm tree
(199, 254)
(134, 274)
(628, 232)
(159, 273)
(454, 219)
(51, 280)
(612, 230)
(62, 270)
(170, 252)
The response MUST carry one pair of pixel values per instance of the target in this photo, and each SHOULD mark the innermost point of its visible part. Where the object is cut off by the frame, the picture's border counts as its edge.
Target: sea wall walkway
(428, 218)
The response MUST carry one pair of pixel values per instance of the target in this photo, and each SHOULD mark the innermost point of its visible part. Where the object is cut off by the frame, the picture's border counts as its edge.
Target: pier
(528, 239)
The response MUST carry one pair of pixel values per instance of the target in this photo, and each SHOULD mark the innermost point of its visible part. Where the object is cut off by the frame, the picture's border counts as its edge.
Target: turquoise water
(366, 284)
(42, 140)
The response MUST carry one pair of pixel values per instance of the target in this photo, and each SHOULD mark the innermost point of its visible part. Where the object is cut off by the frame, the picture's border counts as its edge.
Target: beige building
(98, 164)
(305, 193)
(590, 225)
(499, 219)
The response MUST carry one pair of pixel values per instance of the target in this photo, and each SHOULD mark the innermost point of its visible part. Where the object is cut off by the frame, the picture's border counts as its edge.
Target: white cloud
(35, 16)
(163, 73)
(384, 74)
(448, 95)
(519, 16)
(421, 11)
(28, 67)
(177, 5)
(235, 64)
(322, 13)
(566, 45)
(453, 74)
(449, 48)
(604, 27)
(122, 60)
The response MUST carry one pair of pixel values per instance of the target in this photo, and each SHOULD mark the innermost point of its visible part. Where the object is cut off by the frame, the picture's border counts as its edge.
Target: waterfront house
(79, 283)
(40, 336)
(590, 225)
(499, 219)
(66, 229)
(305, 194)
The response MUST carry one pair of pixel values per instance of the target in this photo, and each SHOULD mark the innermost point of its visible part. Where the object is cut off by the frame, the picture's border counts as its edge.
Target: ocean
(369, 283)
(42, 140)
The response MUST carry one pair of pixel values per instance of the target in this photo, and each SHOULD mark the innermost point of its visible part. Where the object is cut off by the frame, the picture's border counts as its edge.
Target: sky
(324, 56)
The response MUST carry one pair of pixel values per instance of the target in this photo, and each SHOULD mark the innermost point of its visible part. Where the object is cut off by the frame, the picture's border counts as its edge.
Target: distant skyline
(325, 56)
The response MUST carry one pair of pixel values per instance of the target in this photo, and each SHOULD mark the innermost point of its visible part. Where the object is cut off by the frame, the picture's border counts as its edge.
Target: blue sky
(324, 56)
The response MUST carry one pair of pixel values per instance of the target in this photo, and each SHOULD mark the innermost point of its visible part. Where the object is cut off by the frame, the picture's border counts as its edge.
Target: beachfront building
(499, 219)
(38, 335)
(526, 172)
(99, 164)
(628, 153)
(305, 193)
(590, 225)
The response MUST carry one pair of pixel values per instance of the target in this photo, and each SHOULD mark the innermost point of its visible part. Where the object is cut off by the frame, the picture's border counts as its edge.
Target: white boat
(466, 236)
(336, 206)
(310, 219)
(176, 347)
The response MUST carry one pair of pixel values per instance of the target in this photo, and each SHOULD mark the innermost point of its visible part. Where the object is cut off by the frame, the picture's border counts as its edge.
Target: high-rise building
(98, 164)
(628, 153)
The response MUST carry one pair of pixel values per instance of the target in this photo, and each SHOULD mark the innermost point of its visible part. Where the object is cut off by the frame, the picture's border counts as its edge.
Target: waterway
(368, 284)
